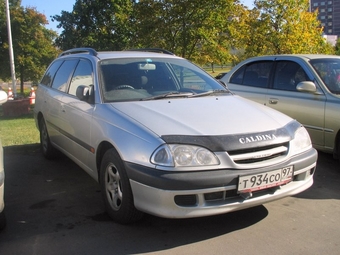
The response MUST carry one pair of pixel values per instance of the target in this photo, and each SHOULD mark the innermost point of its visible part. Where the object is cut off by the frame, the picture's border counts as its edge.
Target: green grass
(18, 131)
(217, 70)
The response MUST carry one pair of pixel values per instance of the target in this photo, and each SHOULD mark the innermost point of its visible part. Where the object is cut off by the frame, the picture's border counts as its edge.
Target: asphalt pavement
(54, 207)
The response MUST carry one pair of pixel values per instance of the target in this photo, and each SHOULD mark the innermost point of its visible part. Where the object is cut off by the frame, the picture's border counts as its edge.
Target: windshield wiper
(173, 94)
(168, 95)
(211, 92)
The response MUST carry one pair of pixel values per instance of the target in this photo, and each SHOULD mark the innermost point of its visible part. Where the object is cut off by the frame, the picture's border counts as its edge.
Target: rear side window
(255, 74)
(49, 75)
(63, 75)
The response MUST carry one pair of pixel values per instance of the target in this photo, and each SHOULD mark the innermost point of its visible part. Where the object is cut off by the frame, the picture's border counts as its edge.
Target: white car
(3, 99)
(163, 137)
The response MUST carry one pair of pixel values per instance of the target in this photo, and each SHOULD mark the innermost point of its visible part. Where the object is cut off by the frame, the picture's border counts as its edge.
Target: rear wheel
(47, 148)
(116, 189)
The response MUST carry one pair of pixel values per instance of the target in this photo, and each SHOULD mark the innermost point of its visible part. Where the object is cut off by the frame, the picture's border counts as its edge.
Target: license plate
(250, 183)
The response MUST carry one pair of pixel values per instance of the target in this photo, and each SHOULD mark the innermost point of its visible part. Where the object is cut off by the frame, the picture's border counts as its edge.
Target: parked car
(305, 87)
(220, 75)
(161, 136)
(3, 99)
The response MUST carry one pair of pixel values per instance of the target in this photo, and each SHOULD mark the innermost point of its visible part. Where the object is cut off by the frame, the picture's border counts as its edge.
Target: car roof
(139, 53)
(300, 56)
(132, 54)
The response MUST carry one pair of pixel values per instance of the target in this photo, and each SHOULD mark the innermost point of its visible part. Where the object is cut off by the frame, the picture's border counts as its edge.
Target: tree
(32, 43)
(337, 47)
(101, 24)
(191, 28)
(285, 27)
(215, 31)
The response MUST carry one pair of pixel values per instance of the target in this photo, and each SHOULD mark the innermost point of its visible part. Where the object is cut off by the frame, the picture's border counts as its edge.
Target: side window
(186, 81)
(81, 76)
(63, 75)
(49, 75)
(255, 74)
(287, 75)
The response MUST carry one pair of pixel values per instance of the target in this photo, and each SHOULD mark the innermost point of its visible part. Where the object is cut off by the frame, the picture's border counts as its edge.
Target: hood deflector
(238, 141)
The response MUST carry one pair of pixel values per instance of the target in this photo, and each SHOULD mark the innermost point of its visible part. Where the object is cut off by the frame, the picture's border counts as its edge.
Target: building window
(322, 10)
(323, 3)
(329, 2)
(322, 17)
(329, 9)
(330, 31)
(330, 16)
(315, 4)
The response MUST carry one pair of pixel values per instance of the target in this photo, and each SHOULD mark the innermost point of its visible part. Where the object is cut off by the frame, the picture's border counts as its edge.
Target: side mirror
(3, 97)
(85, 93)
(306, 86)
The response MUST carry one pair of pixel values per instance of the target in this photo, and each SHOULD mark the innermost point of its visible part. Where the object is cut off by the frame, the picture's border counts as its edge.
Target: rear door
(56, 80)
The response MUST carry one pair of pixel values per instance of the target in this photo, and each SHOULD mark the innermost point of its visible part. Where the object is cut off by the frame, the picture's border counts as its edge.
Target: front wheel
(116, 190)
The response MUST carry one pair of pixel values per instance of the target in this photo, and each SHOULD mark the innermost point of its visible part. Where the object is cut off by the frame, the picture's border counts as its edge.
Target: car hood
(203, 116)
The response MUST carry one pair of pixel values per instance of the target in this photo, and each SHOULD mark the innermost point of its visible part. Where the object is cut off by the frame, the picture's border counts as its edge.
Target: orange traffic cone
(10, 94)
(32, 96)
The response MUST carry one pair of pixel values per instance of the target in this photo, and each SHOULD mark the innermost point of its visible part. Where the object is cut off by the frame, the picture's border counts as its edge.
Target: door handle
(273, 100)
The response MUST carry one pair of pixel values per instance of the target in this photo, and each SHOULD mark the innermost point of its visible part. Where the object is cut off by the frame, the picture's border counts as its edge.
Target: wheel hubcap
(113, 187)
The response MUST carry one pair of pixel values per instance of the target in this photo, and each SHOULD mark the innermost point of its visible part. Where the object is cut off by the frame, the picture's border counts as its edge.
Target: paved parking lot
(54, 207)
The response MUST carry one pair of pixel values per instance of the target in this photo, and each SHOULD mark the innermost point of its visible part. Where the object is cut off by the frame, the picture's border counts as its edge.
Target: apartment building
(329, 15)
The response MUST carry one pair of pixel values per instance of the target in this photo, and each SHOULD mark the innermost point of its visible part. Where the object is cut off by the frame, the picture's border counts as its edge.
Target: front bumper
(204, 193)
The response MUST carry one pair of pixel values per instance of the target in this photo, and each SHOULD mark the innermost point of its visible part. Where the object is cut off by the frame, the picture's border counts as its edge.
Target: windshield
(329, 72)
(143, 79)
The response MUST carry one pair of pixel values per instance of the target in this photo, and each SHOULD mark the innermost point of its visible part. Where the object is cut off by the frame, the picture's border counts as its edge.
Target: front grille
(259, 154)
(192, 200)
(220, 195)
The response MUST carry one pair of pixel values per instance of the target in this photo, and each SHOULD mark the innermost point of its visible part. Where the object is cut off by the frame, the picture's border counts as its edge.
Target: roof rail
(79, 50)
(157, 50)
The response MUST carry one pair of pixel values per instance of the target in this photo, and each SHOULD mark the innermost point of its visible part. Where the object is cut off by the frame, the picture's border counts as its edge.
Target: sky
(50, 8)
(55, 7)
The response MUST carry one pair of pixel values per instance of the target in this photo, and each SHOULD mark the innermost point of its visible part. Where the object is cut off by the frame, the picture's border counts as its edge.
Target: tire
(116, 190)
(46, 147)
(338, 150)
(2, 220)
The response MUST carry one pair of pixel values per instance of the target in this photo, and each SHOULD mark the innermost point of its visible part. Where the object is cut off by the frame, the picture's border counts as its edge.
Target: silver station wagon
(305, 87)
(163, 137)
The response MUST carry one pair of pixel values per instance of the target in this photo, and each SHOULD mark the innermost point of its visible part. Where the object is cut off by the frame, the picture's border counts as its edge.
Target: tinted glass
(81, 76)
(255, 74)
(288, 74)
(63, 75)
(49, 75)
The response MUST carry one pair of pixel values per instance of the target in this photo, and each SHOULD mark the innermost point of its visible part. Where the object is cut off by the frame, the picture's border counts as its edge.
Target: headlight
(183, 155)
(301, 141)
